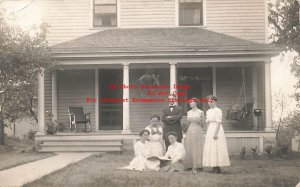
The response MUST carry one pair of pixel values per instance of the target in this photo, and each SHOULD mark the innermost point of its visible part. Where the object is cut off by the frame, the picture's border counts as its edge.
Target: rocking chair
(76, 116)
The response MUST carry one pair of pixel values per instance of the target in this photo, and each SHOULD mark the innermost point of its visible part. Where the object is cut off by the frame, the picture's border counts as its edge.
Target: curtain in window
(190, 16)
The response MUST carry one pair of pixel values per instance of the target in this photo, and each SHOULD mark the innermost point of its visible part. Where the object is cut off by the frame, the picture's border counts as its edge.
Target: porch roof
(155, 40)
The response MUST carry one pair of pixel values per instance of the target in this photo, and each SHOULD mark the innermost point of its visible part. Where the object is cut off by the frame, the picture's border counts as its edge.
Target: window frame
(202, 14)
(93, 15)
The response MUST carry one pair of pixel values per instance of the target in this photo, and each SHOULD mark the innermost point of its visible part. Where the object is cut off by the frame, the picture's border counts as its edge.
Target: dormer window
(105, 13)
(190, 12)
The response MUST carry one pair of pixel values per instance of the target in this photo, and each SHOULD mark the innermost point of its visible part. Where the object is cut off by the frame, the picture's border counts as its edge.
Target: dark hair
(155, 116)
(143, 131)
(212, 97)
(172, 133)
(196, 100)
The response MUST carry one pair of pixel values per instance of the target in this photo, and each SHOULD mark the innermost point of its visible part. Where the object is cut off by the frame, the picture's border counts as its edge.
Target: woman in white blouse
(176, 154)
(215, 153)
(142, 152)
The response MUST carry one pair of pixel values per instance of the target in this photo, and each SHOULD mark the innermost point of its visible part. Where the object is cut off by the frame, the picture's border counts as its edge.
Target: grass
(16, 152)
(100, 170)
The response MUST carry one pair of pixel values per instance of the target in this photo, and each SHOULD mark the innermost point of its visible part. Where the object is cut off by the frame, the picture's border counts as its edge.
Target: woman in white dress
(194, 138)
(141, 150)
(176, 154)
(215, 152)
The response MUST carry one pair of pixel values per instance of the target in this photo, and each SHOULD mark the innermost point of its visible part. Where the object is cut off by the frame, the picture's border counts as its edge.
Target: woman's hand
(215, 136)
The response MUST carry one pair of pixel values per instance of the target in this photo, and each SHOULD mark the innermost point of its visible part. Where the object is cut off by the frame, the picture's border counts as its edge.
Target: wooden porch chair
(77, 116)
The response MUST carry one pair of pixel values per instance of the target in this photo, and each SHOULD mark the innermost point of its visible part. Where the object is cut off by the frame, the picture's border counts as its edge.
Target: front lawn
(100, 170)
(17, 152)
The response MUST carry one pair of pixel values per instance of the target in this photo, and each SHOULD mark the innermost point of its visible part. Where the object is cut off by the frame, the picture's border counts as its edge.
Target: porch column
(254, 96)
(268, 97)
(214, 80)
(126, 121)
(97, 99)
(173, 77)
(41, 102)
(54, 95)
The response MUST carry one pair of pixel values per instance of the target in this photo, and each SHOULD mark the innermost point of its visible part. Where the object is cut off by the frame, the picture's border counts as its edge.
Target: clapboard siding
(48, 96)
(244, 19)
(147, 13)
(73, 88)
(229, 83)
(70, 19)
(67, 19)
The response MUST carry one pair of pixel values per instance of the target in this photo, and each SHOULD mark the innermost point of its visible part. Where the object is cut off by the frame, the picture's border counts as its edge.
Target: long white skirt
(215, 152)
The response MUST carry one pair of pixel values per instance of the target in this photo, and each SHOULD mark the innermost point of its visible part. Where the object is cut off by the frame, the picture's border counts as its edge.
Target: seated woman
(141, 150)
(175, 153)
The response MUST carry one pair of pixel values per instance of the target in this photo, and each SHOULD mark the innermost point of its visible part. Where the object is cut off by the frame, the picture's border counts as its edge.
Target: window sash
(190, 14)
(105, 13)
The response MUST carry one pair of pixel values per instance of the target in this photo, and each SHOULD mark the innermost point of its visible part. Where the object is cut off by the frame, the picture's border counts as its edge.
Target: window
(105, 13)
(190, 12)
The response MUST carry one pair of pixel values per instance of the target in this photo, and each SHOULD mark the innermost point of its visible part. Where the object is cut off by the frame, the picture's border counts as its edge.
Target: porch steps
(80, 143)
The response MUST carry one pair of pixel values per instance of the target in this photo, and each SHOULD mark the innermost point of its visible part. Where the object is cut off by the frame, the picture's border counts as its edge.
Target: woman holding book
(175, 154)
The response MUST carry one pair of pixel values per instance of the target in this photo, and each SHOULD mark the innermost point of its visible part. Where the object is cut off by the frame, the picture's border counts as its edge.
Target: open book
(159, 158)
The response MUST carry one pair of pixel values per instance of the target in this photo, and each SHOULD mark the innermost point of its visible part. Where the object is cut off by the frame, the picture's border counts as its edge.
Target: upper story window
(190, 12)
(105, 13)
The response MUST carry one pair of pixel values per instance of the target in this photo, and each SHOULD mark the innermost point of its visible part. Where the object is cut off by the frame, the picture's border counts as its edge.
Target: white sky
(282, 79)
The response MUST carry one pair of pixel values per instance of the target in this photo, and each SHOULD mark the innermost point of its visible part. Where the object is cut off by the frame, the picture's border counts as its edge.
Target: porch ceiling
(184, 41)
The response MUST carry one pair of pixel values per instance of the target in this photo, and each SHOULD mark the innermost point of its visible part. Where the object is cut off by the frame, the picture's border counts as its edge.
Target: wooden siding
(229, 83)
(48, 96)
(70, 19)
(243, 19)
(67, 19)
(73, 88)
(147, 13)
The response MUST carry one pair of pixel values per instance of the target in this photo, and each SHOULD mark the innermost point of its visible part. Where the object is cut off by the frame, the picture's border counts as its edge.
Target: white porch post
(254, 96)
(97, 99)
(41, 102)
(214, 77)
(54, 95)
(268, 97)
(126, 121)
(173, 77)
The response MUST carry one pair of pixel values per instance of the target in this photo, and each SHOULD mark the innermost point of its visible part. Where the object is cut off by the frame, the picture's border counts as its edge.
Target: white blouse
(176, 151)
(142, 149)
(214, 115)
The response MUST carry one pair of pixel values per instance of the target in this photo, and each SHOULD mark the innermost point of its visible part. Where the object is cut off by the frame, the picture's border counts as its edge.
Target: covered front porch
(216, 69)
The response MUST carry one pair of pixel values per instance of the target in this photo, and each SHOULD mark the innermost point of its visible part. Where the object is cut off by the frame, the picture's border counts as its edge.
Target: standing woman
(155, 137)
(156, 143)
(194, 137)
(215, 153)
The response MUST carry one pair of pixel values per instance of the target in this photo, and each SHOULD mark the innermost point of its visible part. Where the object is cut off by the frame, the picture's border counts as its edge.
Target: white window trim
(177, 15)
(102, 28)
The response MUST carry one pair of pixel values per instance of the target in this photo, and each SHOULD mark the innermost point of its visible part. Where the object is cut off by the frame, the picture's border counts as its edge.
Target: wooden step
(83, 143)
(80, 149)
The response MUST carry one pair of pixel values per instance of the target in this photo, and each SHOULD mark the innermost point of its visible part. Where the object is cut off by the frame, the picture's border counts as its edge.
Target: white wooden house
(206, 44)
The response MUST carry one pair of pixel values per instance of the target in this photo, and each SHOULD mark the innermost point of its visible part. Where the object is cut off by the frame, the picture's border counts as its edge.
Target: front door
(110, 109)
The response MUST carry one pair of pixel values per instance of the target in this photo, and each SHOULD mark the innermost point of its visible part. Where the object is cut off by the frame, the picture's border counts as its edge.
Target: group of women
(197, 151)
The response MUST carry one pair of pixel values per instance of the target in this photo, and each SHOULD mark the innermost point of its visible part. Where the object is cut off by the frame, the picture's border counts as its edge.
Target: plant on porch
(22, 55)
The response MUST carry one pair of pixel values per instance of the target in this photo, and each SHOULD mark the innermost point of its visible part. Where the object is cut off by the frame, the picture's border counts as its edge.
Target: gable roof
(159, 39)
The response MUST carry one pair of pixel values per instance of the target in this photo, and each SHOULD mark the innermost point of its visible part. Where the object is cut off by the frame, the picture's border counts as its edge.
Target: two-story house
(212, 46)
